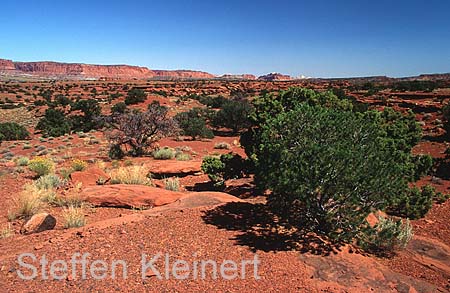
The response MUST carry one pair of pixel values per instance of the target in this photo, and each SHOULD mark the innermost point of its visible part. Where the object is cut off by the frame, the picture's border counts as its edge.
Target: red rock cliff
(274, 77)
(6, 64)
(182, 74)
(74, 69)
(238, 76)
(77, 70)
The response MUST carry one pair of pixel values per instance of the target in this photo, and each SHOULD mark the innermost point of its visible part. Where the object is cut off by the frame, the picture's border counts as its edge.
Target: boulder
(129, 196)
(168, 168)
(135, 196)
(38, 223)
(372, 218)
(90, 176)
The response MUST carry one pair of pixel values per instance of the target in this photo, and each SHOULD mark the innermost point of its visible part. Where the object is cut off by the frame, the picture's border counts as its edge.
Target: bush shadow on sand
(261, 230)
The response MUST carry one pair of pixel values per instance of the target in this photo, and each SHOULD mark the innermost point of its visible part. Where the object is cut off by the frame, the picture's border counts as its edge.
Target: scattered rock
(436, 180)
(139, 196)
(38, 223)
(39, 246)
(372, 218)
(169, 168)
(129, 196)
(90, 177)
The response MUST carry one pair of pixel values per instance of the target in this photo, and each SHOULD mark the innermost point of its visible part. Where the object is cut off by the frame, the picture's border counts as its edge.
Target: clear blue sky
(315, 37)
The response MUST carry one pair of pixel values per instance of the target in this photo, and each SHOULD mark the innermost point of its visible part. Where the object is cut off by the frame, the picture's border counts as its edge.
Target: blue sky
(315, 38)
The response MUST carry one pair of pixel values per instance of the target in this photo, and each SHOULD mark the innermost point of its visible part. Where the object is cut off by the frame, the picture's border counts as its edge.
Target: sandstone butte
(85, 71)
(274, 77)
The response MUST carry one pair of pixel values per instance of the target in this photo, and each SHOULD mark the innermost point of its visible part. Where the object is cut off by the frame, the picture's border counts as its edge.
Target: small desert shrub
(222, 146)
(43, 153)
(233, 115)
(164, 154)
(40, 148)
(22, 161)
(54, 123)
(41, 166)
(183, 157)
(213, 167)
(138, 131)
(73, 217)
(128, 163)
(100, 164)
(48, 181)
(93, 141)
(386, 237)
(78, 165)
(227, 166)
(27, 146)
(120, 107)
(172, 184)
(6, 232)
(441, 197)
(101, 181)
(194, 123)
(65, 173)
(115, 164)
(8, 155)
(28, 202)
(13, 131)
(67, 155)
(130, 175)
(81, 134)
(72, 198)
(184, 149)
(135, 96)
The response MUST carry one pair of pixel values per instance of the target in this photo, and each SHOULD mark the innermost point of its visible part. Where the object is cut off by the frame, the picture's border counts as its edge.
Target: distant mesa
(80, 71)
(182, 74)
(238, 76)
(6, 65)
(57, 70)
(275, 77)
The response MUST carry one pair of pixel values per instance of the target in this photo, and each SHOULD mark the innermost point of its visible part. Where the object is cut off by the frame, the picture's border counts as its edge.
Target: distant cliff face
(182, 74)
(6, 64)
(81, 71)
(274, 77)
(238, 76)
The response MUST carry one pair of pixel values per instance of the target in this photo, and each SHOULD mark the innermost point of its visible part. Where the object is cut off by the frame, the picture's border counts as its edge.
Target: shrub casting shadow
(260, 230)
(433, 138)
(443, 169)
(242, 191)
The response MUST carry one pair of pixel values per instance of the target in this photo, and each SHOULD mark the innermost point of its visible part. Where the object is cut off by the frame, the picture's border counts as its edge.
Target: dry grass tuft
(29, 202)
(73, 198)
(6, 232)
(130, 175)
(172, 184)
(73, 217)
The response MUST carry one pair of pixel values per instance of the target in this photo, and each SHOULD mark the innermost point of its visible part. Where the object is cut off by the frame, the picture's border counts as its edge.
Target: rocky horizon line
(84, 71)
